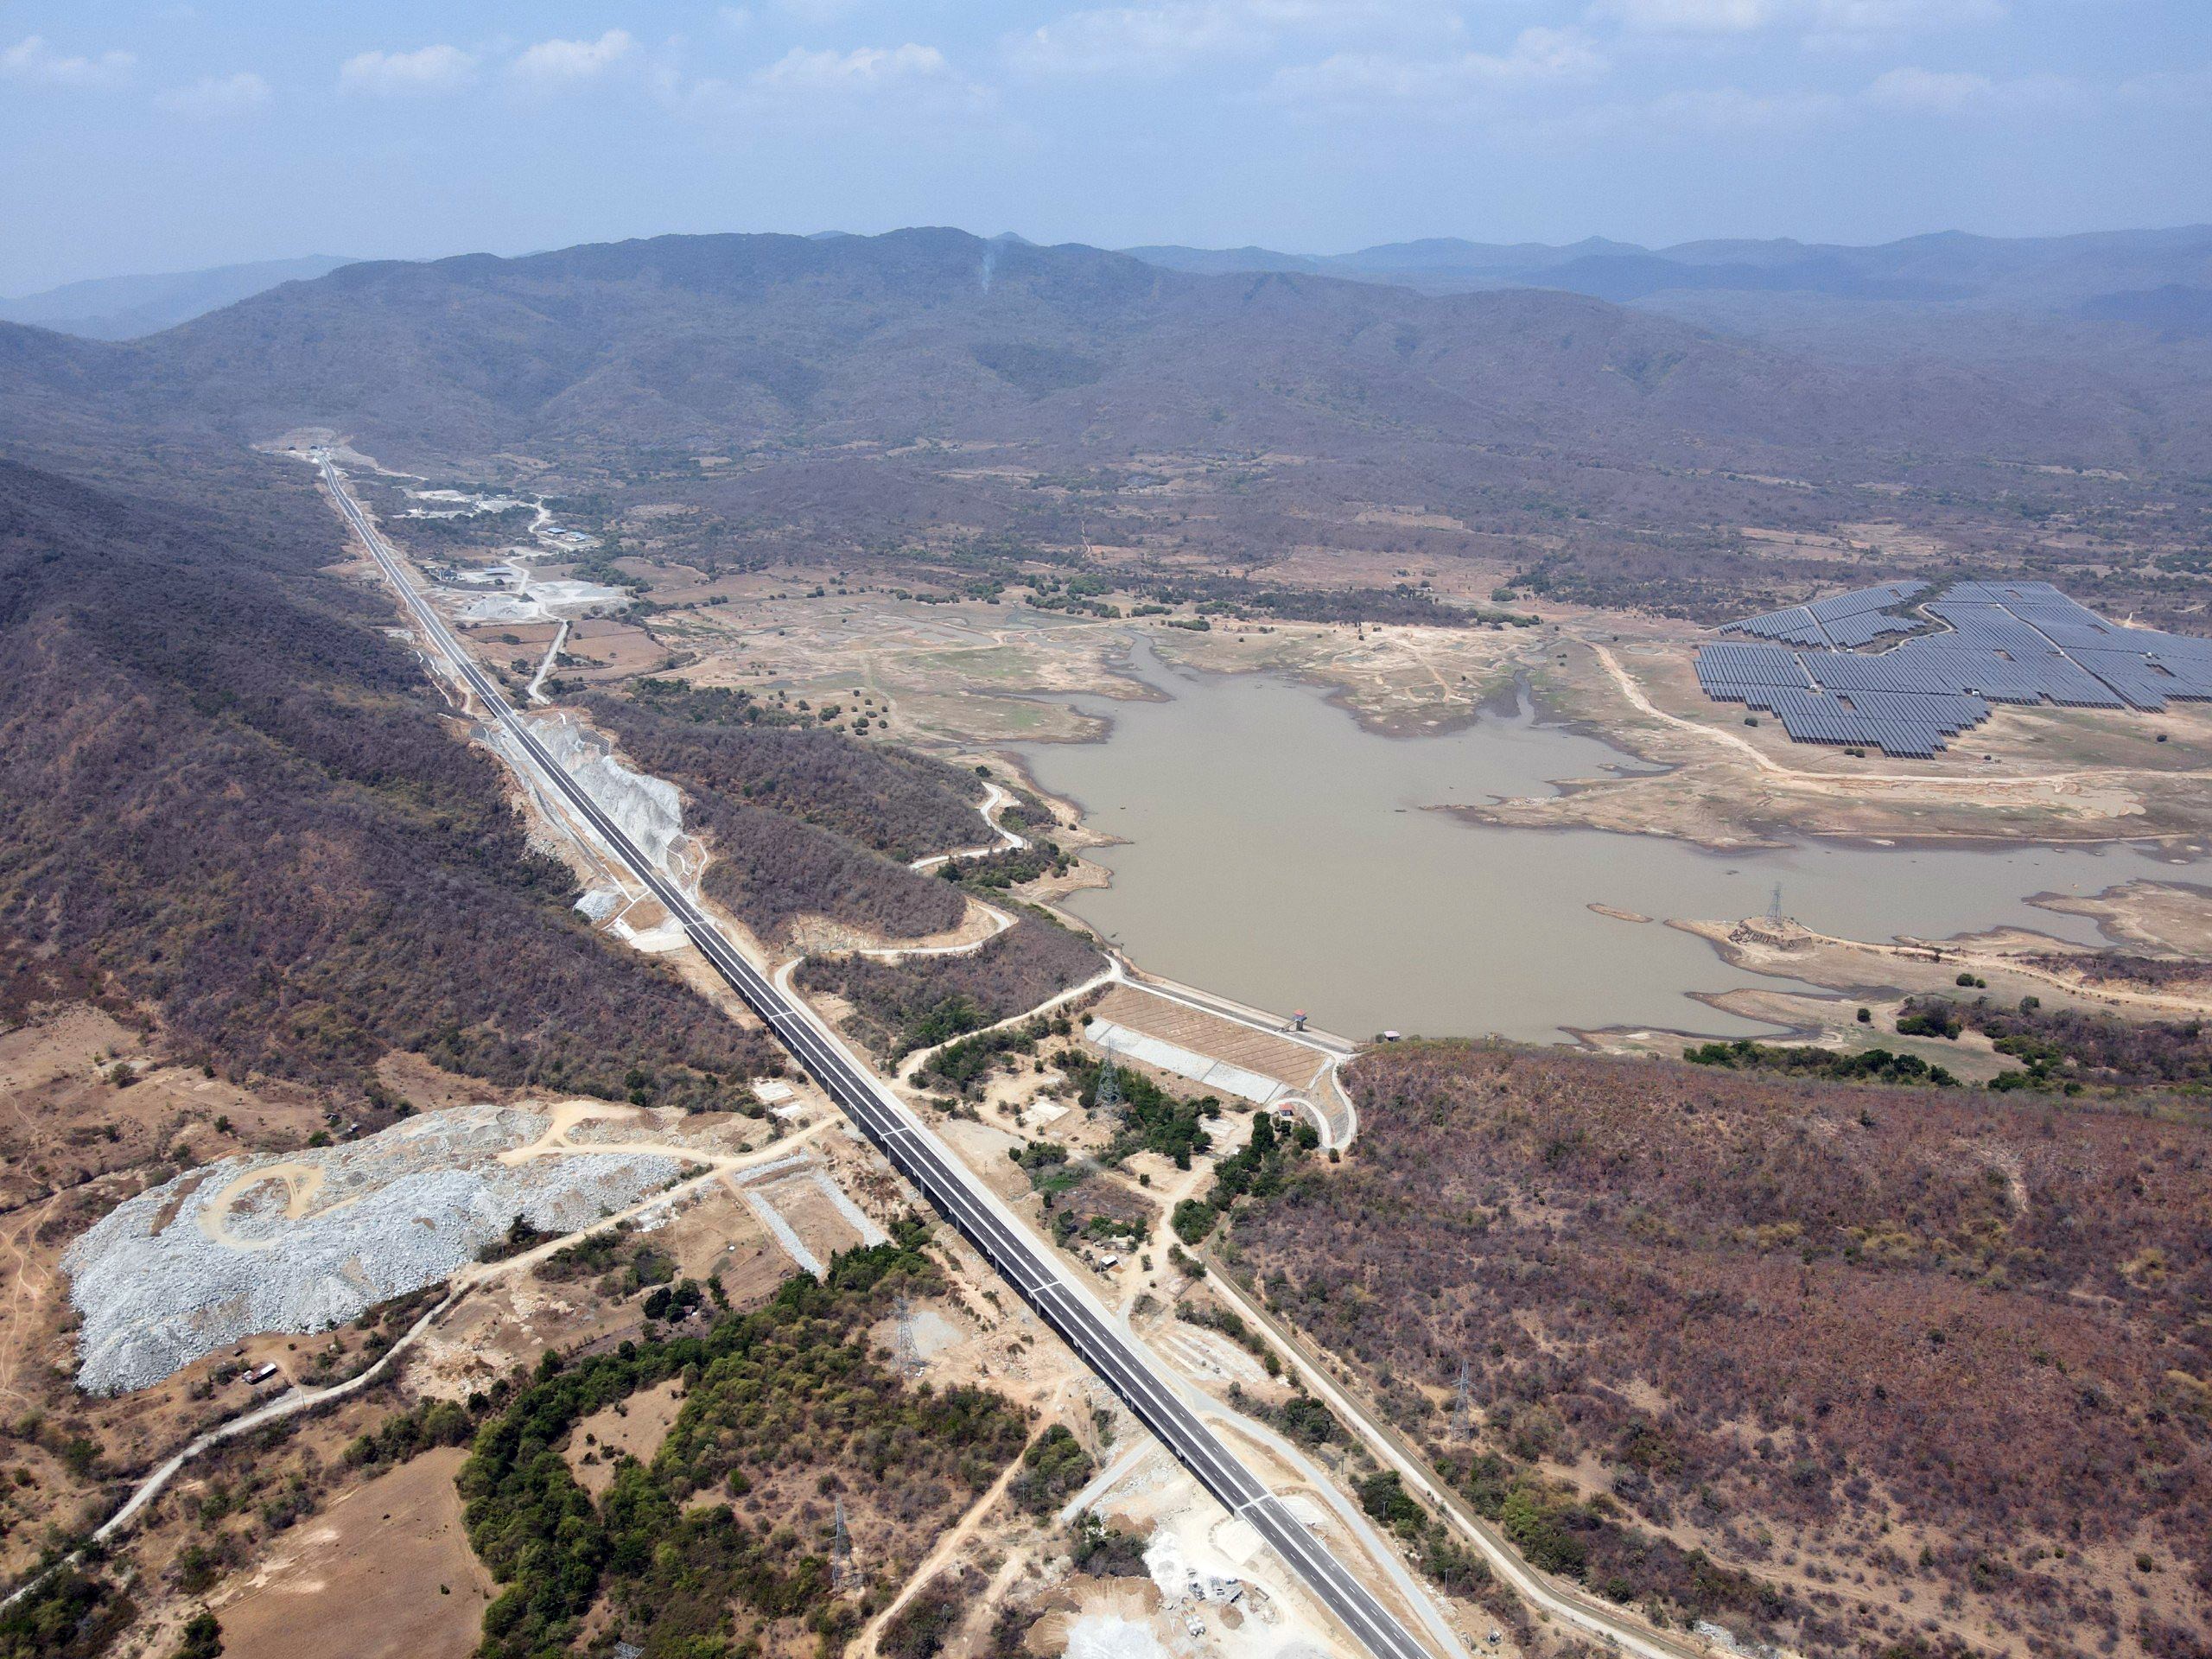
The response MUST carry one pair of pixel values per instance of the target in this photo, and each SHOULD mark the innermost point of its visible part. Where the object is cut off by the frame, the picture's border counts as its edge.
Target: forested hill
(229, 797)
(715, 343)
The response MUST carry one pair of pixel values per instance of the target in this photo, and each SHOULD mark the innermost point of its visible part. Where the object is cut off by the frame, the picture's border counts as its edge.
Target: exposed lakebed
(1278, 853)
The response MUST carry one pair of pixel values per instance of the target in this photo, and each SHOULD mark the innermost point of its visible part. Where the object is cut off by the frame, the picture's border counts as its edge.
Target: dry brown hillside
(1901, 1355)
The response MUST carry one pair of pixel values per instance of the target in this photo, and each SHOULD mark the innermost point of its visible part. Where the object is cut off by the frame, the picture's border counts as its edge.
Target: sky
(148, 136)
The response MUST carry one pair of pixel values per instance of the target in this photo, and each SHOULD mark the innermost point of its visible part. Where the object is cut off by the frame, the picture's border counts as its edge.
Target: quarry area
(307, 1241)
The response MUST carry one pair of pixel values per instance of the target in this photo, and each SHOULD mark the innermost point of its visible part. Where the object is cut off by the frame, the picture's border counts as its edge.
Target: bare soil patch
(384, 1572)
(629, 1428)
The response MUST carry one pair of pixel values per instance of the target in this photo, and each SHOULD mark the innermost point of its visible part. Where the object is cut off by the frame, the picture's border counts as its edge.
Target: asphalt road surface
(956, 1194)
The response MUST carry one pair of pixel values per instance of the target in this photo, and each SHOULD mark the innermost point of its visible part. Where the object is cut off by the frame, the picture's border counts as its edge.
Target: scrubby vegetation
(782, 1408)
(918, 1630)
(2059, 1045)
(770, 870)
(889, 800)
(2112, 965)
(1767, 1302)
(903, 1006)
(229, 798)
(801, 821)
(1053, 1470)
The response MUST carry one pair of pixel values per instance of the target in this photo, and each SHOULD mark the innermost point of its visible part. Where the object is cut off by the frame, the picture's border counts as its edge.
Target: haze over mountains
(2067, 273)
(124, 308)
(2161, 278)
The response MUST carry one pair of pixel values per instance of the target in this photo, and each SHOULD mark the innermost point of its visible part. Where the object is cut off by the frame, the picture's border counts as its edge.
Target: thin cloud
(1690, 16)
(1443, 83)
(1938, 92)
(560, 63)
(427, 69)
(865, 69)
(1827, 21)
(213, 95)
(909, 83)
(1156, 39)
(867, 66)
(31, 59)
(1904, 16)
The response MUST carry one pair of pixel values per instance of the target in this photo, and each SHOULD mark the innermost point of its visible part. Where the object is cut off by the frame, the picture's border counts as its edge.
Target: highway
(915, 1153)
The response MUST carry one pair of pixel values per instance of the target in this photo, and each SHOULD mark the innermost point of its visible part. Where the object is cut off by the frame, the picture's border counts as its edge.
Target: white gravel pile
(650, 810)
(395, 1212)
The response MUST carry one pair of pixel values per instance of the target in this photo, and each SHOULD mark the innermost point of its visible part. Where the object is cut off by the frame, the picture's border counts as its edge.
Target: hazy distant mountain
(124, 308)
(2044, 273)
(702, 343)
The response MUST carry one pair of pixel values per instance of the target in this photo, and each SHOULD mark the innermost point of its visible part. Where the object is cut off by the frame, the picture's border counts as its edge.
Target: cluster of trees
(783, 1400)
(1260, 1170)
(1458, 1569)
(1240, 596)
(232, 799)
(76, 1612)
(1869, 1065)
(1846, 1304)
(1152, 1118)
(405, 1435)
(964, 1065)
(2060, 1045)
(903, 1006)
(996, 872)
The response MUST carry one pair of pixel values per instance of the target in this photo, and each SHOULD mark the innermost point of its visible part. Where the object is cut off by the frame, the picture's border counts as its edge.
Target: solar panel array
(2020, 642)
(1857, 618)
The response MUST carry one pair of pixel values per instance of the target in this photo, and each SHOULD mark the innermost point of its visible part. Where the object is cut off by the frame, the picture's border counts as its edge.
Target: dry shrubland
(1786, 1316)
(228, 798)
(908, 1005)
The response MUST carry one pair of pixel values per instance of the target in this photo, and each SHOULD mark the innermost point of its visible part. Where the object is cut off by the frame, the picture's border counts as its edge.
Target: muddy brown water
(1278, 853)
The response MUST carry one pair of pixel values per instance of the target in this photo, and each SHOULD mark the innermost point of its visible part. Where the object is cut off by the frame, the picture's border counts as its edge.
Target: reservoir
(1277, 853)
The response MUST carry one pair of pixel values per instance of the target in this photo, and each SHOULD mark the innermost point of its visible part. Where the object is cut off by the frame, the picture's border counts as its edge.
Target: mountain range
(715, 344)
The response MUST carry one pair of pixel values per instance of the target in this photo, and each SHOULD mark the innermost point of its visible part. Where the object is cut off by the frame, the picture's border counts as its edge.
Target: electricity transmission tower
(1462, 1405)
(1109, 1080)
(908, 1359)
(841, 1551)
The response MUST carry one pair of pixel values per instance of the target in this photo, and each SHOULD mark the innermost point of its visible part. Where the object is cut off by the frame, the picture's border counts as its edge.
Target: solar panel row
(1796, 626)
(1862, 599)
(1752, 665)
(1865, 628)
